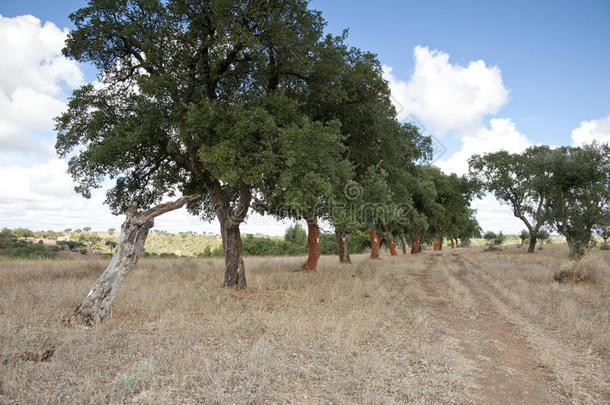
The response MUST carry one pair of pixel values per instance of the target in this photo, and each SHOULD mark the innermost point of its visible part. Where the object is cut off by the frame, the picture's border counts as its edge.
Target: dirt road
(506, 347)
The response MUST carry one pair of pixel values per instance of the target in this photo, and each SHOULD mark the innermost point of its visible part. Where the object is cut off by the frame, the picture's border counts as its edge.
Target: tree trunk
(440, 242)
(235, 271)
(390, 238)
(342, 247)
(452, 244)
(230, 217)
(313, 243)
(403, 244)
(374, 244)
(134, 231)
(436, 244)
(532, 246)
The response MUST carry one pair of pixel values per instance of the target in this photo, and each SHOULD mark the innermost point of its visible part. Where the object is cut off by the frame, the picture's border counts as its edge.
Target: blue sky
(479, 75)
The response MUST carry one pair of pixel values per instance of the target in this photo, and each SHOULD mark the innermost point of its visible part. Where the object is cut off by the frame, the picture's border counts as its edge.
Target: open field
(460, 326)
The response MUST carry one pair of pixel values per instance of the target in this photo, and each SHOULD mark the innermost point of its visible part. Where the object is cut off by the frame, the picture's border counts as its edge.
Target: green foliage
(71, 244)
(13, 247)
(296, 235)
(87, 228)
(579, 192)
(68, 230)
(23, 233)
(524, 235)
(494, 239)
(543, 236)
(111, 231)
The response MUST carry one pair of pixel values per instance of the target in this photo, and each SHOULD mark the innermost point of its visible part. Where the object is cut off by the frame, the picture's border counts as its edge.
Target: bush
(83, 251)
(11, 246)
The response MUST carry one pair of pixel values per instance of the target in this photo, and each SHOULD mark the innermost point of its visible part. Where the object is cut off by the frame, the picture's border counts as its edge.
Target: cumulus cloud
(444, 97)
(33, 74)
(594, 130)
(447, 96)
(501, 134)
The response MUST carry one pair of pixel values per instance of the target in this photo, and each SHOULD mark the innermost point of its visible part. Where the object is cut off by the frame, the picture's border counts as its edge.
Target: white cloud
(32, 73)
(594, 130)
(446, 96)
(501, 135)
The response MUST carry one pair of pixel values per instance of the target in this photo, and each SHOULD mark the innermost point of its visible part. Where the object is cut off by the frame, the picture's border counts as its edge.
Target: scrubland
(458, 326)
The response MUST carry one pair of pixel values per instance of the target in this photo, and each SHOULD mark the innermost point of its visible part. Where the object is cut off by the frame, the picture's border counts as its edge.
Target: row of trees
(566, 189)
(242, 106)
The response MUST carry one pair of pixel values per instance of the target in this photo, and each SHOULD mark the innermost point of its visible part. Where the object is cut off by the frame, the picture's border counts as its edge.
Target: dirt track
(502, 343)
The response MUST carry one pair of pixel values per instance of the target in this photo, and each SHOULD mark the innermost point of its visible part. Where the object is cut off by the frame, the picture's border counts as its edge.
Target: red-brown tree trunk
(391, 246)
(342, 246)
(440, 243)
(452, 244)
(374, 244)
(313, 243)
(436, 243)
(418, 246)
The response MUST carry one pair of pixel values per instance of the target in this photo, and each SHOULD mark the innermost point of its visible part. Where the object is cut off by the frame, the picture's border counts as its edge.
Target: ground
(458, 326)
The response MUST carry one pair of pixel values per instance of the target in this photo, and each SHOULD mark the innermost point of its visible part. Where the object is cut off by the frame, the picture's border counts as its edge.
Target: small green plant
(134, 382)
(83, 251)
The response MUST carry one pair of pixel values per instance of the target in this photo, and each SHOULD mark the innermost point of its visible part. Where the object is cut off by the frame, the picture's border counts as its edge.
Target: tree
(68, 230)
(195, 97)
(524, 235)
(23, 233)
(543, 236)
(111, 231)
(579, 192)
(602, 228)
(515, 180)
(110, 243)
(87, 228)
(134, 231)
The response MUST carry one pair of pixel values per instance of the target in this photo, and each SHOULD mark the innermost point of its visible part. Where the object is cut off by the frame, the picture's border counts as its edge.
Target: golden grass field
(459, 326)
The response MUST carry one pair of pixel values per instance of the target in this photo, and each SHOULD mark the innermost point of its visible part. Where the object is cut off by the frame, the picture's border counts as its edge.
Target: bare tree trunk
(452, 244)
(390, 238)
(235, 270)
(413, 246)
(230, 217)
(342, 247)
(440, 242)
(134, 231)
(374, 244)
(313, 243)
(437, 242)
(532, 247)
(403, 244)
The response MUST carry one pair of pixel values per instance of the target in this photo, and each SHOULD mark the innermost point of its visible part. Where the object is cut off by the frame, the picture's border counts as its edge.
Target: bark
(440, 242)
(413, 246)
(390, 238)
(313, 242)
(235, 271)
(374, 244)
(532, 247)
(436, 243)
(342, 247)
(452, 244)
(230, 219)
(134, 231)
(403, 244)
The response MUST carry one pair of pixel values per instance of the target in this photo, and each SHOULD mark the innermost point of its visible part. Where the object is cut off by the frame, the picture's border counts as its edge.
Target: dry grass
(364, 333)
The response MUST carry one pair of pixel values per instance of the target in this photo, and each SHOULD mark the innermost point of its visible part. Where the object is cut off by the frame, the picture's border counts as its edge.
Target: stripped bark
(342, 247)
(375, 242)
(313, 243)
(134, 231)
(390, 239)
